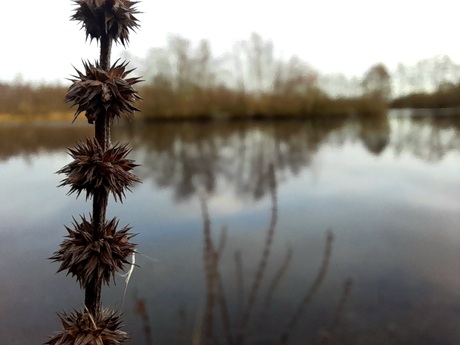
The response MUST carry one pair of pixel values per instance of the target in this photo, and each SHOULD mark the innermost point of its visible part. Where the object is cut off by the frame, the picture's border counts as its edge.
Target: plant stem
(103, 122)
(100, 200)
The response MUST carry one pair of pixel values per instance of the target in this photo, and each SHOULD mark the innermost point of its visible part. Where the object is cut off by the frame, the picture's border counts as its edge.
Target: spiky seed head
(98, 92)
(83, 328)
(86, 257)
(113, 18)
(94, 169)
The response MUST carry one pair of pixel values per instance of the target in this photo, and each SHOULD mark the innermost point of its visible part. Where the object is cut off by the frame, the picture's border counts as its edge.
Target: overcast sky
(39, 42)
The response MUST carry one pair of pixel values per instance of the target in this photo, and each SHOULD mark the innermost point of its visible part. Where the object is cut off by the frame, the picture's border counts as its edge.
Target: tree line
(25, 99)
(251, 81)
(185, 81)
(445, 96)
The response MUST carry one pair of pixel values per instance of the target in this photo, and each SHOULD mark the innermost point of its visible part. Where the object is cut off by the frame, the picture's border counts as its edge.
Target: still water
(346, 232)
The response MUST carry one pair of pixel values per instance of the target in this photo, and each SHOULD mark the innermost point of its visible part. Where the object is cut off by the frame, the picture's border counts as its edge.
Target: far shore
(68, 118)
(38, 118)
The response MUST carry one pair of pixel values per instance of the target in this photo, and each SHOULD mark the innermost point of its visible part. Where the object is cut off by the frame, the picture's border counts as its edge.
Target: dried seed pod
(114, 18)
(83, 328)
(87, 257)
(94, 169)
(98, 92)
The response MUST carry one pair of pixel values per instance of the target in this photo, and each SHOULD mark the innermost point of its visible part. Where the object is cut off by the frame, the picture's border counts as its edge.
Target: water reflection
(388, 189)
(427, 137)
(234, 316)
(190, 156)
(375, 134)
(187, 156)
(27, 140)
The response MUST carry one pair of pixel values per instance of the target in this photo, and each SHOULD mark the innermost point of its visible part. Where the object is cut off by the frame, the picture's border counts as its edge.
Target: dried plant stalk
(94, 169)
(247, 315)
(112, 18)
(103, 93)
(94, 249)
(84, 328)
(85, 258)
(313, 288)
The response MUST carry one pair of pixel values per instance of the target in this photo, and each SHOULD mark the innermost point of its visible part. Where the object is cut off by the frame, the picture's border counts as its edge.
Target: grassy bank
(37, 118)
(226, 103)
(24, 104)
(186, 81)
(446, 96)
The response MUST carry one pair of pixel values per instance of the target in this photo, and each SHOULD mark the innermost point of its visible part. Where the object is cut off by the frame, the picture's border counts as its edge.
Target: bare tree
(261, 63)
(181, 60)
(377, 82)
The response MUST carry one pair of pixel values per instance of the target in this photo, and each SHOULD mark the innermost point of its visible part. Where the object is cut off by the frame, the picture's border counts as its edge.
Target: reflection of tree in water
(249, 318)
(375, 134)
(186, 156)
(427, 137)
(28, 140)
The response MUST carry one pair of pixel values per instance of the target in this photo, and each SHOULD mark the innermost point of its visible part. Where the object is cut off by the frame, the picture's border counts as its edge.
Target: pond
(338, 232)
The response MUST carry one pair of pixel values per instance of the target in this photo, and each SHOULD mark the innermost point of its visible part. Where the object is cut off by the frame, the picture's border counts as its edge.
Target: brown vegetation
(22, 100)
(162, 101)
(254, 320)
(446, 96)
(187, 82)
(95, 249)
(184, 81)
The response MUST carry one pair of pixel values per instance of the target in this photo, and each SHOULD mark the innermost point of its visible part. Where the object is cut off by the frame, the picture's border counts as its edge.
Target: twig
(263, 261)
(311, 291)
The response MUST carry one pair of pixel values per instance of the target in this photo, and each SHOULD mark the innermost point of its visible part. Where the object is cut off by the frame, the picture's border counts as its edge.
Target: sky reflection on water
(392, 204)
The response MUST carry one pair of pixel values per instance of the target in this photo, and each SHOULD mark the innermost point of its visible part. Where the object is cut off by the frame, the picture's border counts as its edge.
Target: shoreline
(66, 119)
(55, 117)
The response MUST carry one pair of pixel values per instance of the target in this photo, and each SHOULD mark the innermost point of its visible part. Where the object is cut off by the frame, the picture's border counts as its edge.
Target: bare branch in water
(311, 290)
(253, 294)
